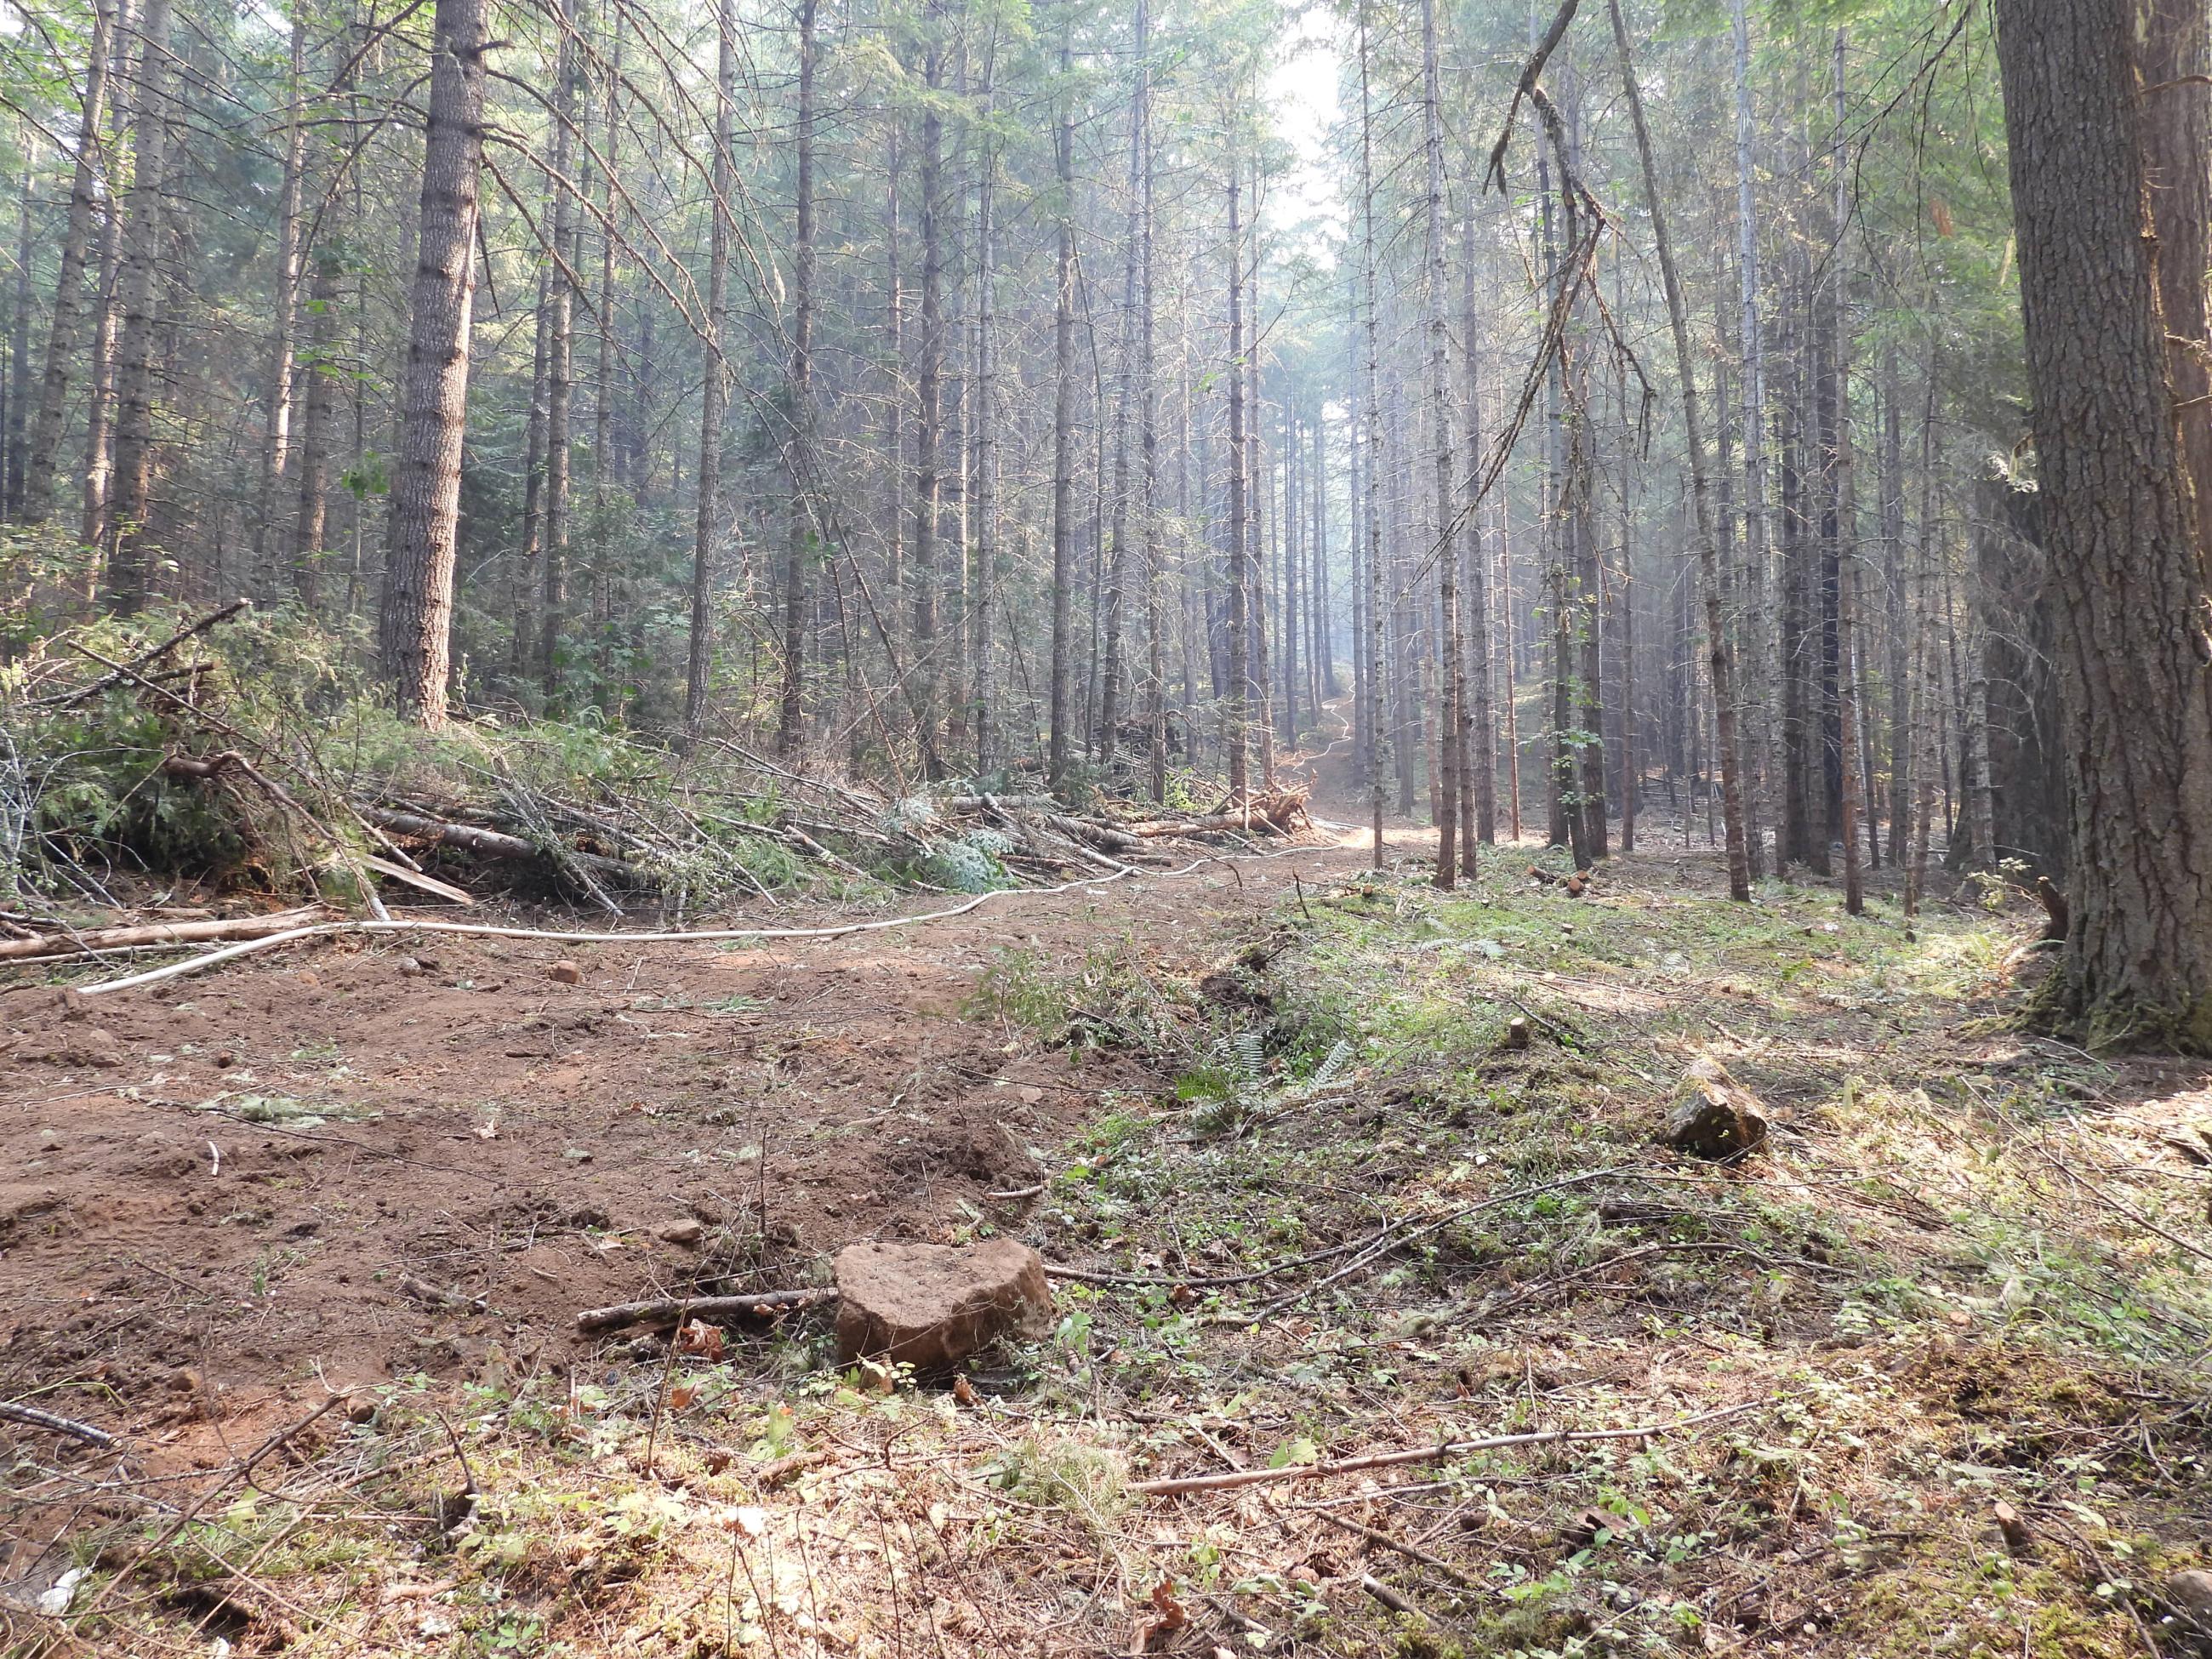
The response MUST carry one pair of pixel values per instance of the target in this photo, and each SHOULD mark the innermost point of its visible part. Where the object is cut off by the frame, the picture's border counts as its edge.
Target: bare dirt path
(353, 1160)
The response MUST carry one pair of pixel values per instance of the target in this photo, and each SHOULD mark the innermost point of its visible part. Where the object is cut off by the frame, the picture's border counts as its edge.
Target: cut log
(1715, 1118)
(400, 872)
(155, 933)
(932, 1305)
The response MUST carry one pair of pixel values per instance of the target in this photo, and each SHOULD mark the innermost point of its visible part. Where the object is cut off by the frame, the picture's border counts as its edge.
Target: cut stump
(1714, 1116)
(932, 1305)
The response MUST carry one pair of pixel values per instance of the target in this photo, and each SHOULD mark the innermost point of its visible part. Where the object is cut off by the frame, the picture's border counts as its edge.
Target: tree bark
(1451, 733)
(2122, 530)
(69, 281)
(426, 492)
(1719, 659)
(2173, 131)
(129, 556)
(1063, 425)
(276, 438)
(554, 653)
(714, 396)
(98, 475)
(1237, 711)
(791, 721)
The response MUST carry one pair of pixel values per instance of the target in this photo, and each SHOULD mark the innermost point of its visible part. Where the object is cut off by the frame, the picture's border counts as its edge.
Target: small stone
(1715, 1118)
(932, 1305)
(565, 972)
(686, 1232)
(2191, 1592)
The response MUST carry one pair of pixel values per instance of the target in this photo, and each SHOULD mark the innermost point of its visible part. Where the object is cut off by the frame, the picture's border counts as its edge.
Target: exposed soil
(230, 1187)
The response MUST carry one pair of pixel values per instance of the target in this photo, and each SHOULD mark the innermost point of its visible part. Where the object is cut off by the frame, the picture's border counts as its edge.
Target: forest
(1365, 826)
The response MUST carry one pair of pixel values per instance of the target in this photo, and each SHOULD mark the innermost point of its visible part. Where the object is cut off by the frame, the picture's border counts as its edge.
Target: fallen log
(1268, 814)
(154, 933)
(489, 844)
(673, 1311)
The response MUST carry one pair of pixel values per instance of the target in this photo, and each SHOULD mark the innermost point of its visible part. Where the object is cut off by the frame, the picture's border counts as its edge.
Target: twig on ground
(1435, 1454)
(1412, 1551)
(12, 1412)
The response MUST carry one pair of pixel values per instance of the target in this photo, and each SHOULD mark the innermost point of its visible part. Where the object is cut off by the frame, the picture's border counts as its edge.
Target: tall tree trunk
(2122, 530)
(1148, 447)
(130, 558)
(1443, 546)
(18, 454)
(714, 395)
(1259, 703)
(1755, 417)
(1106, 740)
(1377, 743)
(983, 530)
(1720, 659)
(277, 437)
(69, 281)
(1893, 555)
(790, 722)
(319, 420)
(1483, 761)
(1237, 714)
(98, 475)
(522, 651)
(416, 625)
(555, 647)
(2173, 131)
(923, 574)
(1063, 424)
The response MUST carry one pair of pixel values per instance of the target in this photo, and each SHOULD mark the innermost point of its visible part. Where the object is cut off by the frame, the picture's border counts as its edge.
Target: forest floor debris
(1313, 1208)
(214, 781)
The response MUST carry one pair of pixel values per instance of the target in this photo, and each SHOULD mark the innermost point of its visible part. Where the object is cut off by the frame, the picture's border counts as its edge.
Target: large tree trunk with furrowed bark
(2121, 531)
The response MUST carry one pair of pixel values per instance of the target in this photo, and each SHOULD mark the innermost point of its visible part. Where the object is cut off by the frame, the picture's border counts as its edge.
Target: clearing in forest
(1922, 1374)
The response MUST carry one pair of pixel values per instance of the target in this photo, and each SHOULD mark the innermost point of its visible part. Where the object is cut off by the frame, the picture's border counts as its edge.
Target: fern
(1333, 1064)
(1251, 1064)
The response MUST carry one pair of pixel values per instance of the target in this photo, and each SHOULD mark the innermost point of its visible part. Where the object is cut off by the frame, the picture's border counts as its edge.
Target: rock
(2191, 1592)
(1714, 1116)
(686, 1231)
(932, 1305)
(565, 972)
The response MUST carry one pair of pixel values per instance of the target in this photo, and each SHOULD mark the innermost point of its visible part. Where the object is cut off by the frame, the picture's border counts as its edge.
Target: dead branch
(764, 1304)
(1411, 1552)
(1442, 1452)
(120, 672)
(154, 933)
(489, 843)
(12, 1413)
